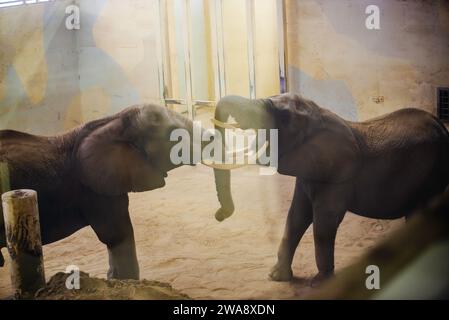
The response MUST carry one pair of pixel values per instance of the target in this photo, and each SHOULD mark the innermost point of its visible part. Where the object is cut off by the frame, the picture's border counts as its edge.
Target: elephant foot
(110, 274)
(129, 274)
(281, 273)
(320, 278)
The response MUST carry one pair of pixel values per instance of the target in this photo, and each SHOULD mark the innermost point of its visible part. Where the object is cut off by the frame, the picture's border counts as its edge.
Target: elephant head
(130, 151)
(313, 143)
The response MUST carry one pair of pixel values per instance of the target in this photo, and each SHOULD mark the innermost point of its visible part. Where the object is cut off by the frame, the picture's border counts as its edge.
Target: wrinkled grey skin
(83, 177)
(383, 168)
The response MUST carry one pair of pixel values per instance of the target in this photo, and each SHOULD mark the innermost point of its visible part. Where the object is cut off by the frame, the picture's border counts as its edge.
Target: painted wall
(117, 57)
(38, 67)
(52, 79)
(336, 61)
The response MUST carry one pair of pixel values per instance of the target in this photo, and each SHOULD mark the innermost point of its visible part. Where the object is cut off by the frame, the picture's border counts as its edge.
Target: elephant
(83, 177)
(383, 168)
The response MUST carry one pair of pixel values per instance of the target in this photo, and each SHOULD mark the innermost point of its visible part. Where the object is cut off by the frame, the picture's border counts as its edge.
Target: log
(23, 238)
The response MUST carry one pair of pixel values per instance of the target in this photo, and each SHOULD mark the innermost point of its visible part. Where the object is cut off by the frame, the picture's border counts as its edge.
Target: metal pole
(218, 49)
(161, 51)
(24, 243)
(251, 59)
(188, 72)
(282, 49)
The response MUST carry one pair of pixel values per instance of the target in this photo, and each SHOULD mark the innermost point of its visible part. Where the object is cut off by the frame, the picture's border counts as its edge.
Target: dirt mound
(101, 289)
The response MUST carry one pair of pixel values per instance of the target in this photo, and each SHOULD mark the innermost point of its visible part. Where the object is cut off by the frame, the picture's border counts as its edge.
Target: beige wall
(335, 60)
(38, 67)
(265, 48)
(52, 79)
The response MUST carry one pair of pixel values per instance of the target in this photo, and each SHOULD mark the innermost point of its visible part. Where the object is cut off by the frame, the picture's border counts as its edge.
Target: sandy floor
(101, 289)
(180, 242)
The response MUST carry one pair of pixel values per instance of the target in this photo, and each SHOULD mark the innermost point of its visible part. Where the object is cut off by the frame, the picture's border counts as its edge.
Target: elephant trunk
(249, 114)
(223, 187)
(222, 177)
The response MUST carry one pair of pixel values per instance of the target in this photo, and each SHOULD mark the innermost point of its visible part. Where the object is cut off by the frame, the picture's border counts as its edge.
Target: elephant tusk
(224, 166)
(224, 125)
(232, 126)
(258, 153)
(240, 152)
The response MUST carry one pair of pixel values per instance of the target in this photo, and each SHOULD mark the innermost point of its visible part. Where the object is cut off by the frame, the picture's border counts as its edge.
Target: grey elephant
(383, 168)
(83, 177)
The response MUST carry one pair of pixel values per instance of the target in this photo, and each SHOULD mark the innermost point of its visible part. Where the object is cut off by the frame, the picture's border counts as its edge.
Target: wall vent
(443, 104)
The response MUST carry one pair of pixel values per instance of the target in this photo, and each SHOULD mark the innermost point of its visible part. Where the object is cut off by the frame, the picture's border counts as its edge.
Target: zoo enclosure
(195, 42)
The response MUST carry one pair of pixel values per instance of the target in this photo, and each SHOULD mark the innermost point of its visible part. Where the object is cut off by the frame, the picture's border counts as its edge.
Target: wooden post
(23, 239)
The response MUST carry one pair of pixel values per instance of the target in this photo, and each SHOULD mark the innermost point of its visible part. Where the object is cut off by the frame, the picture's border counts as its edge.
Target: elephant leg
(123, 259)
(2, 238)
(2, 259)
(325, 224)
(2, 242)
(298, 220)
(112, 224)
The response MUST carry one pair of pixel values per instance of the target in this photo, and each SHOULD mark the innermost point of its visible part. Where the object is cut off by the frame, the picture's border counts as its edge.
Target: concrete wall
(336, 61)
(52, 79)
(38, 67)
(117, 57)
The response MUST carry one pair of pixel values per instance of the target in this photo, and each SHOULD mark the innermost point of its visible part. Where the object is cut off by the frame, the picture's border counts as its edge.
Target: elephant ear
(110, 163)
(296, 118)
(318, 145)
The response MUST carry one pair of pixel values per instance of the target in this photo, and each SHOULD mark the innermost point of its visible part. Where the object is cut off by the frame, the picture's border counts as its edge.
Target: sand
(101, 289)
(179, 242)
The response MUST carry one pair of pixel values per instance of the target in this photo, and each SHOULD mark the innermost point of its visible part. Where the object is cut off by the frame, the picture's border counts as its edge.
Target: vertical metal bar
(218, 49)
(187, 66)
(217, 53)
(161, 50)
(251, 41)
(214, 49)
(282, 50)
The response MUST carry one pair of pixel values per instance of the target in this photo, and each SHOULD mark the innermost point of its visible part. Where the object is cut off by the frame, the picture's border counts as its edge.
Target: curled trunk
(249, 114)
